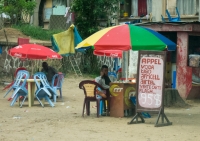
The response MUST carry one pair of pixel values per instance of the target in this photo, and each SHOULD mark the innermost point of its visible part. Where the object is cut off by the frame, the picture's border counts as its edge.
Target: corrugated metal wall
(186, 7)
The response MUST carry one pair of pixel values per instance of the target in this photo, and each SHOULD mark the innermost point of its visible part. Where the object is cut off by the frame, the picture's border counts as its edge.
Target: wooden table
(120, 98)
(31, 91)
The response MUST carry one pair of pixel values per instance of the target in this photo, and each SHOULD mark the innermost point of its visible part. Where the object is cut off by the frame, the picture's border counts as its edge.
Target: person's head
(45, 65)
(104, 69)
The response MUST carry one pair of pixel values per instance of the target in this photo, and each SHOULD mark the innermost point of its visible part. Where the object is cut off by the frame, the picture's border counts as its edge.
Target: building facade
(188, 9)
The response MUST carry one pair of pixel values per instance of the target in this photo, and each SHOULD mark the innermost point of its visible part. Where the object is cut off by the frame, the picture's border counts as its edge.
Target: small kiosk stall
(120, 104)
(121, 91)
(134, 39)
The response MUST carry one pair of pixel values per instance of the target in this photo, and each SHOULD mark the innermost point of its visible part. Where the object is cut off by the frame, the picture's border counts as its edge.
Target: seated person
(103, 79)
(49, 71)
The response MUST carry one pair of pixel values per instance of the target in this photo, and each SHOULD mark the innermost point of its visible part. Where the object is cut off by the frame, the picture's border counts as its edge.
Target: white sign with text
(150, 82)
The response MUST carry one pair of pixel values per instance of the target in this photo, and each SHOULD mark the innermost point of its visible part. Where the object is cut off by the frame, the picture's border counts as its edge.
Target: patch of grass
(36, 32)
(85, 75)
(92, 75)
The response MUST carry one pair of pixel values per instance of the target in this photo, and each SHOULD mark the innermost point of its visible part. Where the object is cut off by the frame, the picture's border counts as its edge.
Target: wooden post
(124, 64)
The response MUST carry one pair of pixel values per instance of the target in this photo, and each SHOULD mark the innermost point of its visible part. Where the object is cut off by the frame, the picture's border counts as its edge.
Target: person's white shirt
(101, 81)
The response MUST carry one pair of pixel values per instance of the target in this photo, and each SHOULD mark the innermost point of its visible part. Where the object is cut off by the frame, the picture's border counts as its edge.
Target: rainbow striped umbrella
(126, 37)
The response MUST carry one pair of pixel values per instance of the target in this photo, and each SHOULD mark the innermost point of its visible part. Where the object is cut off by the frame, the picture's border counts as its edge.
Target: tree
(17, 9)
(87, 13)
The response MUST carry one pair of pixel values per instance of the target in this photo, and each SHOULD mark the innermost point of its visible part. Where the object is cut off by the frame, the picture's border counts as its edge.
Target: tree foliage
(87, 13)
(16, 9)
(87, 16)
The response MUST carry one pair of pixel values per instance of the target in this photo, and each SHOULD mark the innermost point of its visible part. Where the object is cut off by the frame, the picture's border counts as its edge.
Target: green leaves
(36, 32)
(88, 13)
(15, 8)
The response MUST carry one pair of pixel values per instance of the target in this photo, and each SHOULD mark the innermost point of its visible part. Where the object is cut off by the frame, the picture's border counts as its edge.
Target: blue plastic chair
(13, 84)
(112, 74)
(101, 104)
(56, 84)
(176, 19)
(44, 90)
(19, 87)
(162, 18)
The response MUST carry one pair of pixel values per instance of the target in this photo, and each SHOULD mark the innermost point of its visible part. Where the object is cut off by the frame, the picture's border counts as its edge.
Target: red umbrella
(33, 51)
(109, 53)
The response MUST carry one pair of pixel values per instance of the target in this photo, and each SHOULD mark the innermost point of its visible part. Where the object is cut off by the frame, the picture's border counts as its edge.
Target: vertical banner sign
(150, 85)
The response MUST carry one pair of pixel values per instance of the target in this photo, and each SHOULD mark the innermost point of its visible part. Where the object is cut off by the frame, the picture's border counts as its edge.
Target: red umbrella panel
(33, 51)
(108, 53)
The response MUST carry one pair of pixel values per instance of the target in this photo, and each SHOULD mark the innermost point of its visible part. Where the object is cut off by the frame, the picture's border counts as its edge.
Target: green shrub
(36, 32)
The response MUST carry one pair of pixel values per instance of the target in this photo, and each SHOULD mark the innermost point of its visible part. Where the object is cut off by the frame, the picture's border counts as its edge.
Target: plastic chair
(44, 90)
(112, 74)
(162, 18)
(101, 106)
(22, 41)
(19, 87)
(89, 87)
(56, 84)
(10, 85)
(15, 73)
(176, 19)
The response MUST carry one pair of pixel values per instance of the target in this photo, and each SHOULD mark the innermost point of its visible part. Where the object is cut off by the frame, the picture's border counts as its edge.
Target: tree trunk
(35, 15)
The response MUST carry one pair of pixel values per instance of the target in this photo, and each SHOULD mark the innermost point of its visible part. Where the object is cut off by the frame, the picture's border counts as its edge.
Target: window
(59, 2)
(193, 47)
(171, 5)
(186, 7)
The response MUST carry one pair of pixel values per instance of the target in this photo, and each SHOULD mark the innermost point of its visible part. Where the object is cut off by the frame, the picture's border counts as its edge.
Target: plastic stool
(101, 107)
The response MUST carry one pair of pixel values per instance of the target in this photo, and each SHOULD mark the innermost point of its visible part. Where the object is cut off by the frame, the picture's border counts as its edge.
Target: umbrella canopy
(33, 51)
(126, 37)
(108, 53)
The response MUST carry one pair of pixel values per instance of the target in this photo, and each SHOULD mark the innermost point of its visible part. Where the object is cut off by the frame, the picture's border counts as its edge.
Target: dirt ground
(65, 123)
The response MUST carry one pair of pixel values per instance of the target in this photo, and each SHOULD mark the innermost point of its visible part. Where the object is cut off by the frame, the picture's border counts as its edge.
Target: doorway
(142, 7)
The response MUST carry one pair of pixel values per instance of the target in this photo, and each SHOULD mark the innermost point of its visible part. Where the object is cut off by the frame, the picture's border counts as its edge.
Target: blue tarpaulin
(1, 50)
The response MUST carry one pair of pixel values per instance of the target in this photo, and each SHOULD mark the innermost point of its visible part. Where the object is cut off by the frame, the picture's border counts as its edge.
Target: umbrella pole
(125, 65)
(32, 68)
